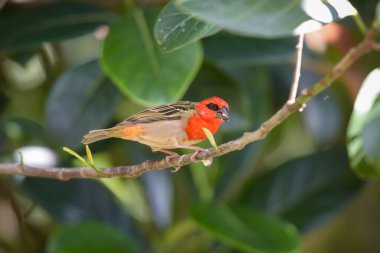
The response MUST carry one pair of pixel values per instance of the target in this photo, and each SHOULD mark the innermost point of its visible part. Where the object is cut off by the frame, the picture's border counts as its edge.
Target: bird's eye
(213, 106)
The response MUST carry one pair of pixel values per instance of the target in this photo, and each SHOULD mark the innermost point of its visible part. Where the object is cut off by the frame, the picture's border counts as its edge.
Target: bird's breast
(195, 125)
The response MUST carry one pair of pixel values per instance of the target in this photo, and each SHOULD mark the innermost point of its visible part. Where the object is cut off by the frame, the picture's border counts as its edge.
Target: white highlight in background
(36, 156)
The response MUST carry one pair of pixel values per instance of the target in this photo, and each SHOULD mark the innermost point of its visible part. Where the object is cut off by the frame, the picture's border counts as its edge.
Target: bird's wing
(174, 111)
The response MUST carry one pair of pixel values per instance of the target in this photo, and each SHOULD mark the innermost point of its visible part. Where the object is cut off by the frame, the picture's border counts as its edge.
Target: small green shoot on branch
(210, 138)
(89, 164)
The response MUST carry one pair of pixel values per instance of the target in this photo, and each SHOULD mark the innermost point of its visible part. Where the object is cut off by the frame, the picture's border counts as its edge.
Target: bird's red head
(213, 109)
(211, 113)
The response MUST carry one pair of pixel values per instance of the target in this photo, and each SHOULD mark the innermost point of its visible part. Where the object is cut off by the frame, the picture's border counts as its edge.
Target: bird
(170, 126)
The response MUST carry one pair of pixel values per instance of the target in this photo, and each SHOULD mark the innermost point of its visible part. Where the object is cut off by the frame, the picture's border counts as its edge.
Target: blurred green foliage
(67, 67)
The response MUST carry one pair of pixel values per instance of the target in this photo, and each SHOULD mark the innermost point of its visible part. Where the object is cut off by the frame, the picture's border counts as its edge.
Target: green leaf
(324, 118)
(175, 29)
(210, 138)
(82, 99)
(362, 134)
(263, 18)
(226, 49)
(90, 237)
(89, 155)
(26, 131)
(138, 67)
(75, 154)
(89, 164)
(77, 200)
(371, 139)
(246, 229)
(27, 28)
(306, 191)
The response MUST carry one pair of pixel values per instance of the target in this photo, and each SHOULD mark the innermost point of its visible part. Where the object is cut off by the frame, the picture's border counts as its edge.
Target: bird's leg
(170, 155)
(194, 155)
(206, 162)
(197, 149)
(174, 143)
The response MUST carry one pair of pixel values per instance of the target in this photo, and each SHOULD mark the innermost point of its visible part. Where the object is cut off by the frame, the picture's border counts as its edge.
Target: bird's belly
(165, 135)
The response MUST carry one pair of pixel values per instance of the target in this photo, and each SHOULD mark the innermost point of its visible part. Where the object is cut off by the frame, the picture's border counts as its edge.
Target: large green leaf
(92, 238)
(229, 50)
(76, 201)
(371, 138)
(138, 67)
(324, 119)
(26, 28)
(175, 29)
(305, 191)
(27, 131)
(82, 99)
(246, 229)
(363, 132)
(263, 18)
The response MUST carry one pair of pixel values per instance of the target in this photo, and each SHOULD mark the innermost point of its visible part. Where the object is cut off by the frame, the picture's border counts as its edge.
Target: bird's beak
(223, 114)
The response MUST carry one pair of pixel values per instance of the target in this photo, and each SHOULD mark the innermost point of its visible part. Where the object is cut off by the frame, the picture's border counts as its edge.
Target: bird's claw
(176, 168)
(193, 157)
(168, 158)
(207, 162)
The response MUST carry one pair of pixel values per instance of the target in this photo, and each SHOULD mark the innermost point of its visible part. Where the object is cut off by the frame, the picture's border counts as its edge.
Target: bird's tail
(101, 134)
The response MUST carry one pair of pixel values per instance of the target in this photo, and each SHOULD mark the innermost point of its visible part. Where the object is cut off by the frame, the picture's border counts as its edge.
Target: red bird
(171, 126)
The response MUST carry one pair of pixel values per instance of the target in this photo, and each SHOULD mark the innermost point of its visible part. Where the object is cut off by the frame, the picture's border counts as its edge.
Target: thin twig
(136, 170)
(297, 70)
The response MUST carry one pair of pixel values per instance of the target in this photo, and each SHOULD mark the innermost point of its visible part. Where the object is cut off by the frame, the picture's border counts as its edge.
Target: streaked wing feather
(174, 111)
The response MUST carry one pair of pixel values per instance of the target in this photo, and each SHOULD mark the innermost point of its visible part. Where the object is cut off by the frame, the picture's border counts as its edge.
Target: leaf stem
(360, 23)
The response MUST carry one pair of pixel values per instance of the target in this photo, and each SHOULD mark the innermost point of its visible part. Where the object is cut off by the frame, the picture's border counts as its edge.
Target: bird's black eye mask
(213, 107)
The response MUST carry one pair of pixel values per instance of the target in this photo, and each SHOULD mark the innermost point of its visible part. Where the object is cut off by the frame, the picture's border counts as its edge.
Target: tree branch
(367, 45)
